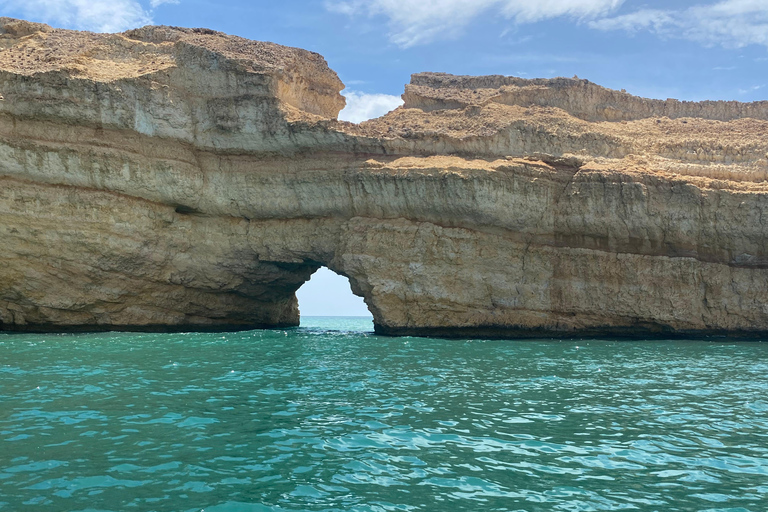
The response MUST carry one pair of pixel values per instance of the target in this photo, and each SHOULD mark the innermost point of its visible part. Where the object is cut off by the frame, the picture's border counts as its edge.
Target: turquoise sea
(330, 416)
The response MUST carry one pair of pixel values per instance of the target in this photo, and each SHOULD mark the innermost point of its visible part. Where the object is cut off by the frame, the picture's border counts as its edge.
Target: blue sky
(689, 50)
(329, 294)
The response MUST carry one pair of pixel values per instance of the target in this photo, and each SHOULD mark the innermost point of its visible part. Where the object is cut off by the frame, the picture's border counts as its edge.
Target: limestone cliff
(170, 178)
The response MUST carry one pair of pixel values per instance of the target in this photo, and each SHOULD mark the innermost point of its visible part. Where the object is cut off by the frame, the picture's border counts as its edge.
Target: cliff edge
(173, 178)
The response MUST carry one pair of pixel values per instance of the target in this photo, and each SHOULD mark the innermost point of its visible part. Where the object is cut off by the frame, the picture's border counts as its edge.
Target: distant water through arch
(328, 294)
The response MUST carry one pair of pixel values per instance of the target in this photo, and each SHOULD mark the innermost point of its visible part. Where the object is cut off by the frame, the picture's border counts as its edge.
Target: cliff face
(169, 178)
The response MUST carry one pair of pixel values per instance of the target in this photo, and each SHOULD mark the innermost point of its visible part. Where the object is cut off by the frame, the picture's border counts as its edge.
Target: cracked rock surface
(167, 178)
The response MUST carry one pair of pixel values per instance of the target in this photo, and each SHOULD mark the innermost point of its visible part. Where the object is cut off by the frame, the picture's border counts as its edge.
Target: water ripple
(328, 418)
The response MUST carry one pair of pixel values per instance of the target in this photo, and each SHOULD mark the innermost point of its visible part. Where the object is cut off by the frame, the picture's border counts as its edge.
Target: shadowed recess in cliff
(329, 294)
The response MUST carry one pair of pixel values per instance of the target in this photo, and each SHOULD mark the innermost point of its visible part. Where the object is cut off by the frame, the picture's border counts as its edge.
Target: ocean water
(331, 417)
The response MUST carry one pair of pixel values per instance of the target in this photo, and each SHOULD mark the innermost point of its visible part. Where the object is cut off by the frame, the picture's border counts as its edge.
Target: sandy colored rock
(170, 178)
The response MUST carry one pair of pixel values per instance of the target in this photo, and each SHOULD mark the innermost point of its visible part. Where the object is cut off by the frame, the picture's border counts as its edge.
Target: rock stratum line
(169, 178)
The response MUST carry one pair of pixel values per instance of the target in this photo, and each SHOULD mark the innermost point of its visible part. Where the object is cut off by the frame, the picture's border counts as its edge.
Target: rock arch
(198, 184)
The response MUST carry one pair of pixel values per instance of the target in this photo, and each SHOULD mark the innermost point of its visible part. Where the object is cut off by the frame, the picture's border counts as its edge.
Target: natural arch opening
(329, 295)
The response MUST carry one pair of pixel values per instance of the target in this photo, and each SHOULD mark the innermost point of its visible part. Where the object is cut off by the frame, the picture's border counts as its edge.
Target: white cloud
(415, 22)
(730, 23)
(361, 106)
(95, 15)
(155, 3)
(751, 89)
(645, 19)
(525, 11)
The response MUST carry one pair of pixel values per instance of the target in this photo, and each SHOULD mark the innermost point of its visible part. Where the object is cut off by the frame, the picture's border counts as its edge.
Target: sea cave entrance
(327, 299)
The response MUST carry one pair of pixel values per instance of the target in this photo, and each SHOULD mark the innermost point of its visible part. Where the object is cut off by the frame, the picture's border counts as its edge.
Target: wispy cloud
(417, 22)
(95, 15)
(751, 89)
(730, 23)
(155, 3)
(361, 106)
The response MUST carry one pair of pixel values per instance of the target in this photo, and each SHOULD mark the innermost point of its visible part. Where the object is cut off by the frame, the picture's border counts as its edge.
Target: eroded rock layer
(169, 178)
